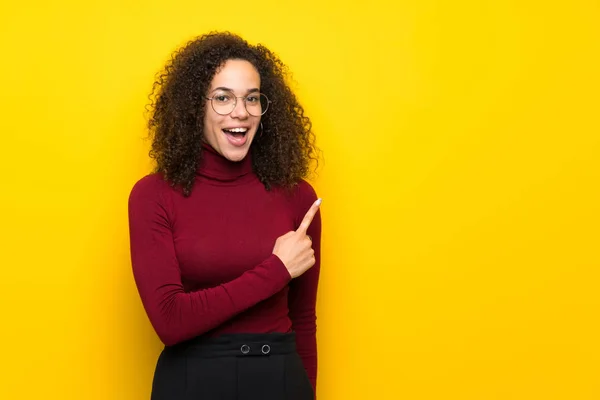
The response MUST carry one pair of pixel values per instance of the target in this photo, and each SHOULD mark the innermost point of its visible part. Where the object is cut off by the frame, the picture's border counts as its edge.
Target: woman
(225, 235)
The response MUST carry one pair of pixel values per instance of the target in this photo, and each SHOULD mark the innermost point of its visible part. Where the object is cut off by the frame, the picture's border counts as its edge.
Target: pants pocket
(298, 386)
(169, 376)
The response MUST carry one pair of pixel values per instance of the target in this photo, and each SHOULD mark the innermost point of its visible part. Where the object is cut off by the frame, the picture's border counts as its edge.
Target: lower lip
(235, 141)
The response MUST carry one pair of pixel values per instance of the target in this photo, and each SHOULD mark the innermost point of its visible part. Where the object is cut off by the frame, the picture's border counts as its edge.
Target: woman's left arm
(303, 291)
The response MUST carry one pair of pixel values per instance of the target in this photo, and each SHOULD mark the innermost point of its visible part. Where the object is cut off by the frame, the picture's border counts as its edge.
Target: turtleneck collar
(216, 168)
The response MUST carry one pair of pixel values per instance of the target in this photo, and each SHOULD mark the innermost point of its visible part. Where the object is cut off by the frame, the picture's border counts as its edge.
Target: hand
(295, 247)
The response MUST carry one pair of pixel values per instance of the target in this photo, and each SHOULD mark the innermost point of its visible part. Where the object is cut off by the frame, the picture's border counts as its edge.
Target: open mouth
(236, 136)
(237, 133)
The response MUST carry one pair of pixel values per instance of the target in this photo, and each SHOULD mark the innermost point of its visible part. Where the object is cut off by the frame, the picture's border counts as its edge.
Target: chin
(236, 154)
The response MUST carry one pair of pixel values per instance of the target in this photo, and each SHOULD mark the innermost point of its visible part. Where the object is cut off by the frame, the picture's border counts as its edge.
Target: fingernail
(318, 202)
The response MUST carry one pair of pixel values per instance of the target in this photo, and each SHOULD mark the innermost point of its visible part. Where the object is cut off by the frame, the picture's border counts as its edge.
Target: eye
(253, 98)
(222, 98)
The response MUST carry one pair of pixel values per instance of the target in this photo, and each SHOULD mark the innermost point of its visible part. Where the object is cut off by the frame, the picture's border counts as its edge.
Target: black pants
(232, 367)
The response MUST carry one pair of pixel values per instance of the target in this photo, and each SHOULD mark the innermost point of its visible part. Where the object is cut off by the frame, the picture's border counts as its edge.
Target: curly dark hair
(281, 155)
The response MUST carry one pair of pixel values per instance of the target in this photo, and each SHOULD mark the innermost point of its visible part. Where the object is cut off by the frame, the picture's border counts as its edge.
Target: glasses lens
(257, 104)
(223, 102)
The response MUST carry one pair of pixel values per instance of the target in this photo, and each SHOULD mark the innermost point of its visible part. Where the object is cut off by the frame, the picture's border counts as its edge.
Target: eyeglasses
(224, 102)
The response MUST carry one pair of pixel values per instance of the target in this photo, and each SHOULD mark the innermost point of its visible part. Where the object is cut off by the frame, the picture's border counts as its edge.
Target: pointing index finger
(310, 214)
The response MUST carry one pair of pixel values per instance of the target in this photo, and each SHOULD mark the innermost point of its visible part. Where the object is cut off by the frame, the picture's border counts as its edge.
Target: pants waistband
(239, 345)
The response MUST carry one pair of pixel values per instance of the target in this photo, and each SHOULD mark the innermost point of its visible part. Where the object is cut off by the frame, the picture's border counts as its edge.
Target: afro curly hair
(281, 155)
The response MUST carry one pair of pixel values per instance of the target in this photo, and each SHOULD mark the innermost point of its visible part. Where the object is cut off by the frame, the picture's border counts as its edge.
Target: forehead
(239, 75)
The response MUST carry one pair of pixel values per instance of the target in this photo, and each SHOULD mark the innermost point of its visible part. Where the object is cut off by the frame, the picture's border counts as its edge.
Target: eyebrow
(231, 90)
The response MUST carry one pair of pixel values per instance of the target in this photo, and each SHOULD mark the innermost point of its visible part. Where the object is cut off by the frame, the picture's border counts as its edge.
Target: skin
(242, 78)
(294, 248)
(283, 153)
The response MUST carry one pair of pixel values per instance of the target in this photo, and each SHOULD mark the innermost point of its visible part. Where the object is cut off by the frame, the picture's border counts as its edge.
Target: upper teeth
(237, 130)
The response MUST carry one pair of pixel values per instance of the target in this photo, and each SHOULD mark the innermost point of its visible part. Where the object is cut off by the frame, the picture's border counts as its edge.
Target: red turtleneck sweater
(203, 264)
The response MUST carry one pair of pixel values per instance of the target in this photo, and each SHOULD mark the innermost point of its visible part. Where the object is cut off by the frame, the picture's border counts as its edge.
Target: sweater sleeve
(177, 315)
(303, 291)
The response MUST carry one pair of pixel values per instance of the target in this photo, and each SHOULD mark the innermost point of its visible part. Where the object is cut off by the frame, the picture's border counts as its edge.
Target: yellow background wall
(460, 185)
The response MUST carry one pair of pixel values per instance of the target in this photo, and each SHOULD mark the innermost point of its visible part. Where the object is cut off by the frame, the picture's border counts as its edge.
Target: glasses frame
(244, 99)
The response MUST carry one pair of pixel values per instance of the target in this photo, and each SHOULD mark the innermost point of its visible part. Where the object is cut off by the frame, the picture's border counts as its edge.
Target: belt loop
(245, 349)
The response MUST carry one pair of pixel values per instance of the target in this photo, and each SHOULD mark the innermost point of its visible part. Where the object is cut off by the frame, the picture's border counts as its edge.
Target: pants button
(266, 349)
(245, 349)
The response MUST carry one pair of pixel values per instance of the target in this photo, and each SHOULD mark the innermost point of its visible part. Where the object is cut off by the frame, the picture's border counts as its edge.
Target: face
(231, 135)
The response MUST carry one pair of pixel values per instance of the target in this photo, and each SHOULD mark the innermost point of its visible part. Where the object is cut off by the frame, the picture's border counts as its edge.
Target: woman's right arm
(177, 315)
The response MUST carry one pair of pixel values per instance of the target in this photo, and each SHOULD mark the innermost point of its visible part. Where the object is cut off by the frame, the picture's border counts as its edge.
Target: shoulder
(304, 195)
(305, 192)
(151, 187)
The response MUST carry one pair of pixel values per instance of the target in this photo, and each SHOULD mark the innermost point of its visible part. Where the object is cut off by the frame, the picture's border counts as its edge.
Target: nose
(239, 111)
